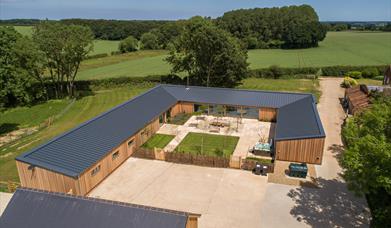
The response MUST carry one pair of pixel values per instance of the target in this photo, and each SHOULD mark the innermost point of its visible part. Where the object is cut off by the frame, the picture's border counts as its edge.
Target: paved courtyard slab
(223, 197)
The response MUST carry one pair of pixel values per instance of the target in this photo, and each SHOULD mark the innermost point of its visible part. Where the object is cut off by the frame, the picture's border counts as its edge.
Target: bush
(276, 71)
(252, 42)
(149, 41)
(379, 78)
(354, 74)
(97, 56)
(128, 45)
(349, 82)
(370, 72)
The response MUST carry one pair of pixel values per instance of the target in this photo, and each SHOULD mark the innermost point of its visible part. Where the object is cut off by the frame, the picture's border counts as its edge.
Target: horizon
(330, 11)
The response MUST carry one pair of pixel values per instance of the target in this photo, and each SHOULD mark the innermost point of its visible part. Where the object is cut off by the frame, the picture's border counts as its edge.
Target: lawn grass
(158, 141)
(22, 117)
(285, 85)
(83, 109)
(208, 144)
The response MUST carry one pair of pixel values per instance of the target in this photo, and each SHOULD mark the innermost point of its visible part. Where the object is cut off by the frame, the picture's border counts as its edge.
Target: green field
(158, 141)
(105, 46)
(339, 48)
(89, 106)
(208, 144)
(100, 46)
(24, 30)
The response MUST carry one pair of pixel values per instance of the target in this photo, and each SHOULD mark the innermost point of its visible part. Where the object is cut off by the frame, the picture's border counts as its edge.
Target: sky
(328, 10)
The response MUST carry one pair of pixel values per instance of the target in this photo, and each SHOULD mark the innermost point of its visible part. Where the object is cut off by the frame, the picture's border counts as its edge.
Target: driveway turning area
(223, 197)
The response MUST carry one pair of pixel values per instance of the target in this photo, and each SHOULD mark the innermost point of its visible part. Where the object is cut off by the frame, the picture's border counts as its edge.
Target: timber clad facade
(80, 159)
(35, 177)
(300, 150)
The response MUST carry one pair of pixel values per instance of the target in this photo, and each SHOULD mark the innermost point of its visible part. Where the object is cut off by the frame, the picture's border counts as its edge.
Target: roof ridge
(88, 122)
(111, 202)
(235, 89)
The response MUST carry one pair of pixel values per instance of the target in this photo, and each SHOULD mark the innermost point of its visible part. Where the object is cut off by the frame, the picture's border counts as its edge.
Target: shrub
(102, 55)
(276, 71)
(251, 42)
(349, 82)
(354, 74)
(370, 72)
(380, 78)
(149, 41)
(128, 45)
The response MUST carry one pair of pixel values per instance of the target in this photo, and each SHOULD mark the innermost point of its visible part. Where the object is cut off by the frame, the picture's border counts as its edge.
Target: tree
(129, 44)
(367, 158)
(149, 41)
(64, 46)
(209, 55)
(18, 60)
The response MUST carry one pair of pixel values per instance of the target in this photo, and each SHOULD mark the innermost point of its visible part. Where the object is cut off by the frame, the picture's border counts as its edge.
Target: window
(115, 155)
(95, 170)
(131, 143)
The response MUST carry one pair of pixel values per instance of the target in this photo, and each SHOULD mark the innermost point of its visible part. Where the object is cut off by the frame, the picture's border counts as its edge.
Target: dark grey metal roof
(233, 96)
(77, 150)
(39, 209)
(80, 148)
(299, 119)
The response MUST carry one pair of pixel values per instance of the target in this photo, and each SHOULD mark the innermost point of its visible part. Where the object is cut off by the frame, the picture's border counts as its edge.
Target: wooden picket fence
(234, 162)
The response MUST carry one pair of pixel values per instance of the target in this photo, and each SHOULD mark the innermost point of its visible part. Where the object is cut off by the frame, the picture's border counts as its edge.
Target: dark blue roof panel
(77, 150)
(38, 209)
(299, 119)
(233, 96)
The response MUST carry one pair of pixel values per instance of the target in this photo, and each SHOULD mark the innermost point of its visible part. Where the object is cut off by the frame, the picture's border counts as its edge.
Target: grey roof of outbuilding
(77, 150)
(40, 209)
(299, 119)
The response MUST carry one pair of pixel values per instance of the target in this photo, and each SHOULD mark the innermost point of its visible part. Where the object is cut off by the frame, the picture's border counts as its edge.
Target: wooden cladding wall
(108, 164)
(267, 114)
(300, 150)
(40, 178)
(45, 179)
(182, 107)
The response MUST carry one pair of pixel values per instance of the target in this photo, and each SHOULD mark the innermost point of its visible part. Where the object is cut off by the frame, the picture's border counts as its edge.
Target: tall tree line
(286, 27)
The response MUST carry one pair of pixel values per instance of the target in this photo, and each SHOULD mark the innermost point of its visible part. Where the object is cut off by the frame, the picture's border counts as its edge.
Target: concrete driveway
(331, 205)
(223, 197)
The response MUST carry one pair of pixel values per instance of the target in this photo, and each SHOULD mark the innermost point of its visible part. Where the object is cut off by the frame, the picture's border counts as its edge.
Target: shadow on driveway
(330, 206)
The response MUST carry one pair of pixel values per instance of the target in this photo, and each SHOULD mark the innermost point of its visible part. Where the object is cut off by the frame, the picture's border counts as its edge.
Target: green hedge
(308, 72)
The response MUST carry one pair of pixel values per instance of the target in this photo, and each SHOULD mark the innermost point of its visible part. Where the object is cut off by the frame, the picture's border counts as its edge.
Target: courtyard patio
(249, 131)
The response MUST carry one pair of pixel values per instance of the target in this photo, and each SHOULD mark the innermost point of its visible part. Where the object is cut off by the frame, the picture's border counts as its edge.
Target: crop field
(339, 48)
(24, 30)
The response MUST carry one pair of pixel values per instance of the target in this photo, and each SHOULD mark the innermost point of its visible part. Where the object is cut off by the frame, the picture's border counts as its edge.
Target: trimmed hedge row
(277, 72)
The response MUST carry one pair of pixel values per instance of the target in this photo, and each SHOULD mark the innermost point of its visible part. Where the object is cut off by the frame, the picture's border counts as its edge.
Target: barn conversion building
(78, 160)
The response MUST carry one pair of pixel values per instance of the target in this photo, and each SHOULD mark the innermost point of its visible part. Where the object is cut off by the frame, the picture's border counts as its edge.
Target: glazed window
(131, 143)
(115, 155)
(95, 170)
